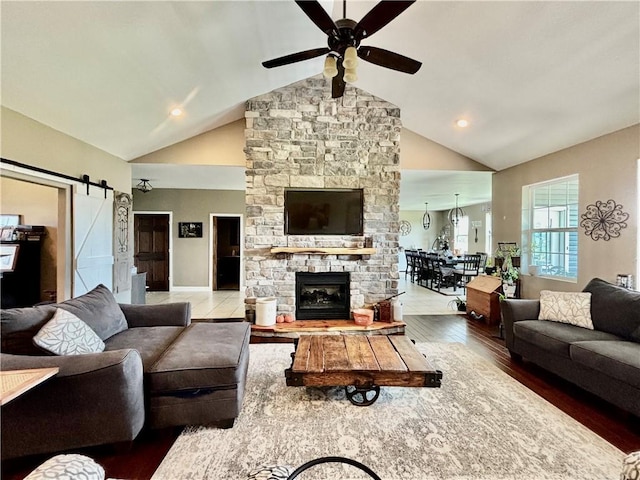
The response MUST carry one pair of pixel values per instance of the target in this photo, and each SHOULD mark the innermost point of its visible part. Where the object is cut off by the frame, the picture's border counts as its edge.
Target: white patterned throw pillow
(270, 472)
(68, 467)
(566, 307)
(66, 334)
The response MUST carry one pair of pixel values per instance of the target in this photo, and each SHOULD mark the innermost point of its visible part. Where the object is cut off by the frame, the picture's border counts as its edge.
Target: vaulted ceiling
(531, 77)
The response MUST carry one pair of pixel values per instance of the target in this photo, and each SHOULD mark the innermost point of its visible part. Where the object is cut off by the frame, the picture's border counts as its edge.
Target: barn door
(92, 238)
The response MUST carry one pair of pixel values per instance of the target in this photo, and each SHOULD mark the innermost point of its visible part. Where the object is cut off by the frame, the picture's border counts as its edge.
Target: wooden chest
(483, 298)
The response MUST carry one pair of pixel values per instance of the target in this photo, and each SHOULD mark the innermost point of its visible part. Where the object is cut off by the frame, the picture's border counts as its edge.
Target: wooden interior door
(151, 249)
(226, 253)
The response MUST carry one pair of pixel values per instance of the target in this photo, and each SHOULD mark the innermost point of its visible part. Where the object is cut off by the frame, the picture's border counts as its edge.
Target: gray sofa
(157, 370)
(604, 361)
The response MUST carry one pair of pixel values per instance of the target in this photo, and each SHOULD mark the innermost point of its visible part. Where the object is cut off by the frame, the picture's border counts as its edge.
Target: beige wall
(27, 141)
(420, 153)
(225, 146)
(221, 146)
(608, 169)
(191, 262)
(38, 205)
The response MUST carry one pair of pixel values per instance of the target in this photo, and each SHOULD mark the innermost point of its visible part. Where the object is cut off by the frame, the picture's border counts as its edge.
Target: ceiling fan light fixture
(330, 67)
(350, 75)
(144, 186)
(350, 58)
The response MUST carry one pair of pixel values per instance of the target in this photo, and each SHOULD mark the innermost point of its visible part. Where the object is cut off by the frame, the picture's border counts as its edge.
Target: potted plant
(509, 276)
(460, 304)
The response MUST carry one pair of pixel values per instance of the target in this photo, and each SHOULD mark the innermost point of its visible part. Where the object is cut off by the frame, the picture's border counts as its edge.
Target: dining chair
(465, 270)
(423, 271)
(443, 275)
(408, 253)
(483, 261)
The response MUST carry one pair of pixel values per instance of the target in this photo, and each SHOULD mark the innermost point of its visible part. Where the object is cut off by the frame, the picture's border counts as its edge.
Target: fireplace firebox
(323, 296)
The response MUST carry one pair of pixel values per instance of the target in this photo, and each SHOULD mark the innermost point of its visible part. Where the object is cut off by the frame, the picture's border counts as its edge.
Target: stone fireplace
(322, 296)
(299, 137)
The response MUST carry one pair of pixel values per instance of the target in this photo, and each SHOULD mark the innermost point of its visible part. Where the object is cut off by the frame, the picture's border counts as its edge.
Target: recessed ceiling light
(462, 123)
(176, 112)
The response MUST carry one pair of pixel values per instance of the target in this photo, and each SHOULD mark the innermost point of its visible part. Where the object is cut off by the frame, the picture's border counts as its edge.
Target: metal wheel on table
(362, 397)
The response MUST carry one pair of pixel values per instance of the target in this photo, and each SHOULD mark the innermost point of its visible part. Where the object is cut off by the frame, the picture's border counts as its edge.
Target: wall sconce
(476, 224)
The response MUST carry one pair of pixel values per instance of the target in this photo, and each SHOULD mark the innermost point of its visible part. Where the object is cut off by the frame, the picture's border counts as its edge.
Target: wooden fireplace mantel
(324, 250)
(323, 327)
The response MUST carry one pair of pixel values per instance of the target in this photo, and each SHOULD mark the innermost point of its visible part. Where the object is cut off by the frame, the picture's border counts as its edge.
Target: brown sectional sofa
(604, 361)
(157, 370)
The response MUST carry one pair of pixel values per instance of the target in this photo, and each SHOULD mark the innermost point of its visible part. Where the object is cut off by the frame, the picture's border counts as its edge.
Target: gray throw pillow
(98, 309)
(66, 334)
(614, 309)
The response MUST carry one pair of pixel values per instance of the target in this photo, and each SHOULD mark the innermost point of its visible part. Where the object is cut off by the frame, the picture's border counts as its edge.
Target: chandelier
(455, 214)
(144, 186)
(426, 218)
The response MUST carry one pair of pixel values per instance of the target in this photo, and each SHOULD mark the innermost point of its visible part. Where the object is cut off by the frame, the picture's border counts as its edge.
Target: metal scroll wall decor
(122, 241)
(604, 220)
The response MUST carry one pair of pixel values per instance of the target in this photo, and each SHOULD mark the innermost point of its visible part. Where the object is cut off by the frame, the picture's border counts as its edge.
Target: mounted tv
(323, 211)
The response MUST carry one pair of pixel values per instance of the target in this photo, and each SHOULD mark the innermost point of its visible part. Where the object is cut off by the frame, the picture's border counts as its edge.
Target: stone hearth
(299, 137)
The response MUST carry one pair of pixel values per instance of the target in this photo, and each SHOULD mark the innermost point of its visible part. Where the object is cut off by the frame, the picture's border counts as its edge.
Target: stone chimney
(298, 136)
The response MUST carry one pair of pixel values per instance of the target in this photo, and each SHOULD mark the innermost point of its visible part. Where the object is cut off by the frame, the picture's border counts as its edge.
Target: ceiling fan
(344, 37)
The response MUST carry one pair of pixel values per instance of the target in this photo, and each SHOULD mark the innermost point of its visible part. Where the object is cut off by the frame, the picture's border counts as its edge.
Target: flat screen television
(323, 211)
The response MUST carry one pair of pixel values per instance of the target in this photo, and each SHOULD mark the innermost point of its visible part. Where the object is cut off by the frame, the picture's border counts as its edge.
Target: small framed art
(189, 229)
(8, 257)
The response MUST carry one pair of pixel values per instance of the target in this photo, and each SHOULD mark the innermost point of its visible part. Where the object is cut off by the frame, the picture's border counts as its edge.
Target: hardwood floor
(140, 459)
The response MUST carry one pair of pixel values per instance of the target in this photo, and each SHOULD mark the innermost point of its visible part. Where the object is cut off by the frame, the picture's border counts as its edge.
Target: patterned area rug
(481, 425)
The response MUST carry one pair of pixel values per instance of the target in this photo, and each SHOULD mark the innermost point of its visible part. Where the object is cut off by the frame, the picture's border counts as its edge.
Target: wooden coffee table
(360, 363)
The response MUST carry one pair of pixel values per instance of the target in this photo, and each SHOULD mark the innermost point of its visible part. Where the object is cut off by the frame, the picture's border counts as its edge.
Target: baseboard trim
(190, 289)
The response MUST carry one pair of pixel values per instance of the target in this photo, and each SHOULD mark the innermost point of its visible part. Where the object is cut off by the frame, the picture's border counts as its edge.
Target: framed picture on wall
(6, 234)
(189, 229)
(8, 257)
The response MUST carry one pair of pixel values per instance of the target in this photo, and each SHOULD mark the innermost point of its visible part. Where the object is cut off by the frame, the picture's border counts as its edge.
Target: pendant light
(426, 218)
(455, 214)
(144, 186)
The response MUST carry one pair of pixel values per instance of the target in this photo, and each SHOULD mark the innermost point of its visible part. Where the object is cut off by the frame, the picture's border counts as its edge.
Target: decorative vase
(509, 290)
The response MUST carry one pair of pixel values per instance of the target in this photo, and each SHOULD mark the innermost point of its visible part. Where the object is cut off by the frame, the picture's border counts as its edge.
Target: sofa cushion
(615, 309)
(98, 309)
(556, 337)
(573, 308)
(150, 342)
(66, 334)
(207, 355)
(619, 359)
(18, 326)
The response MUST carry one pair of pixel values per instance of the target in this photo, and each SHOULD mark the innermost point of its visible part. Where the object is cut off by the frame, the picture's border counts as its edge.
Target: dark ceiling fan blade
(388, 59)
(379, 16)
(337, 83)
(295, 57)
(319, 16)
